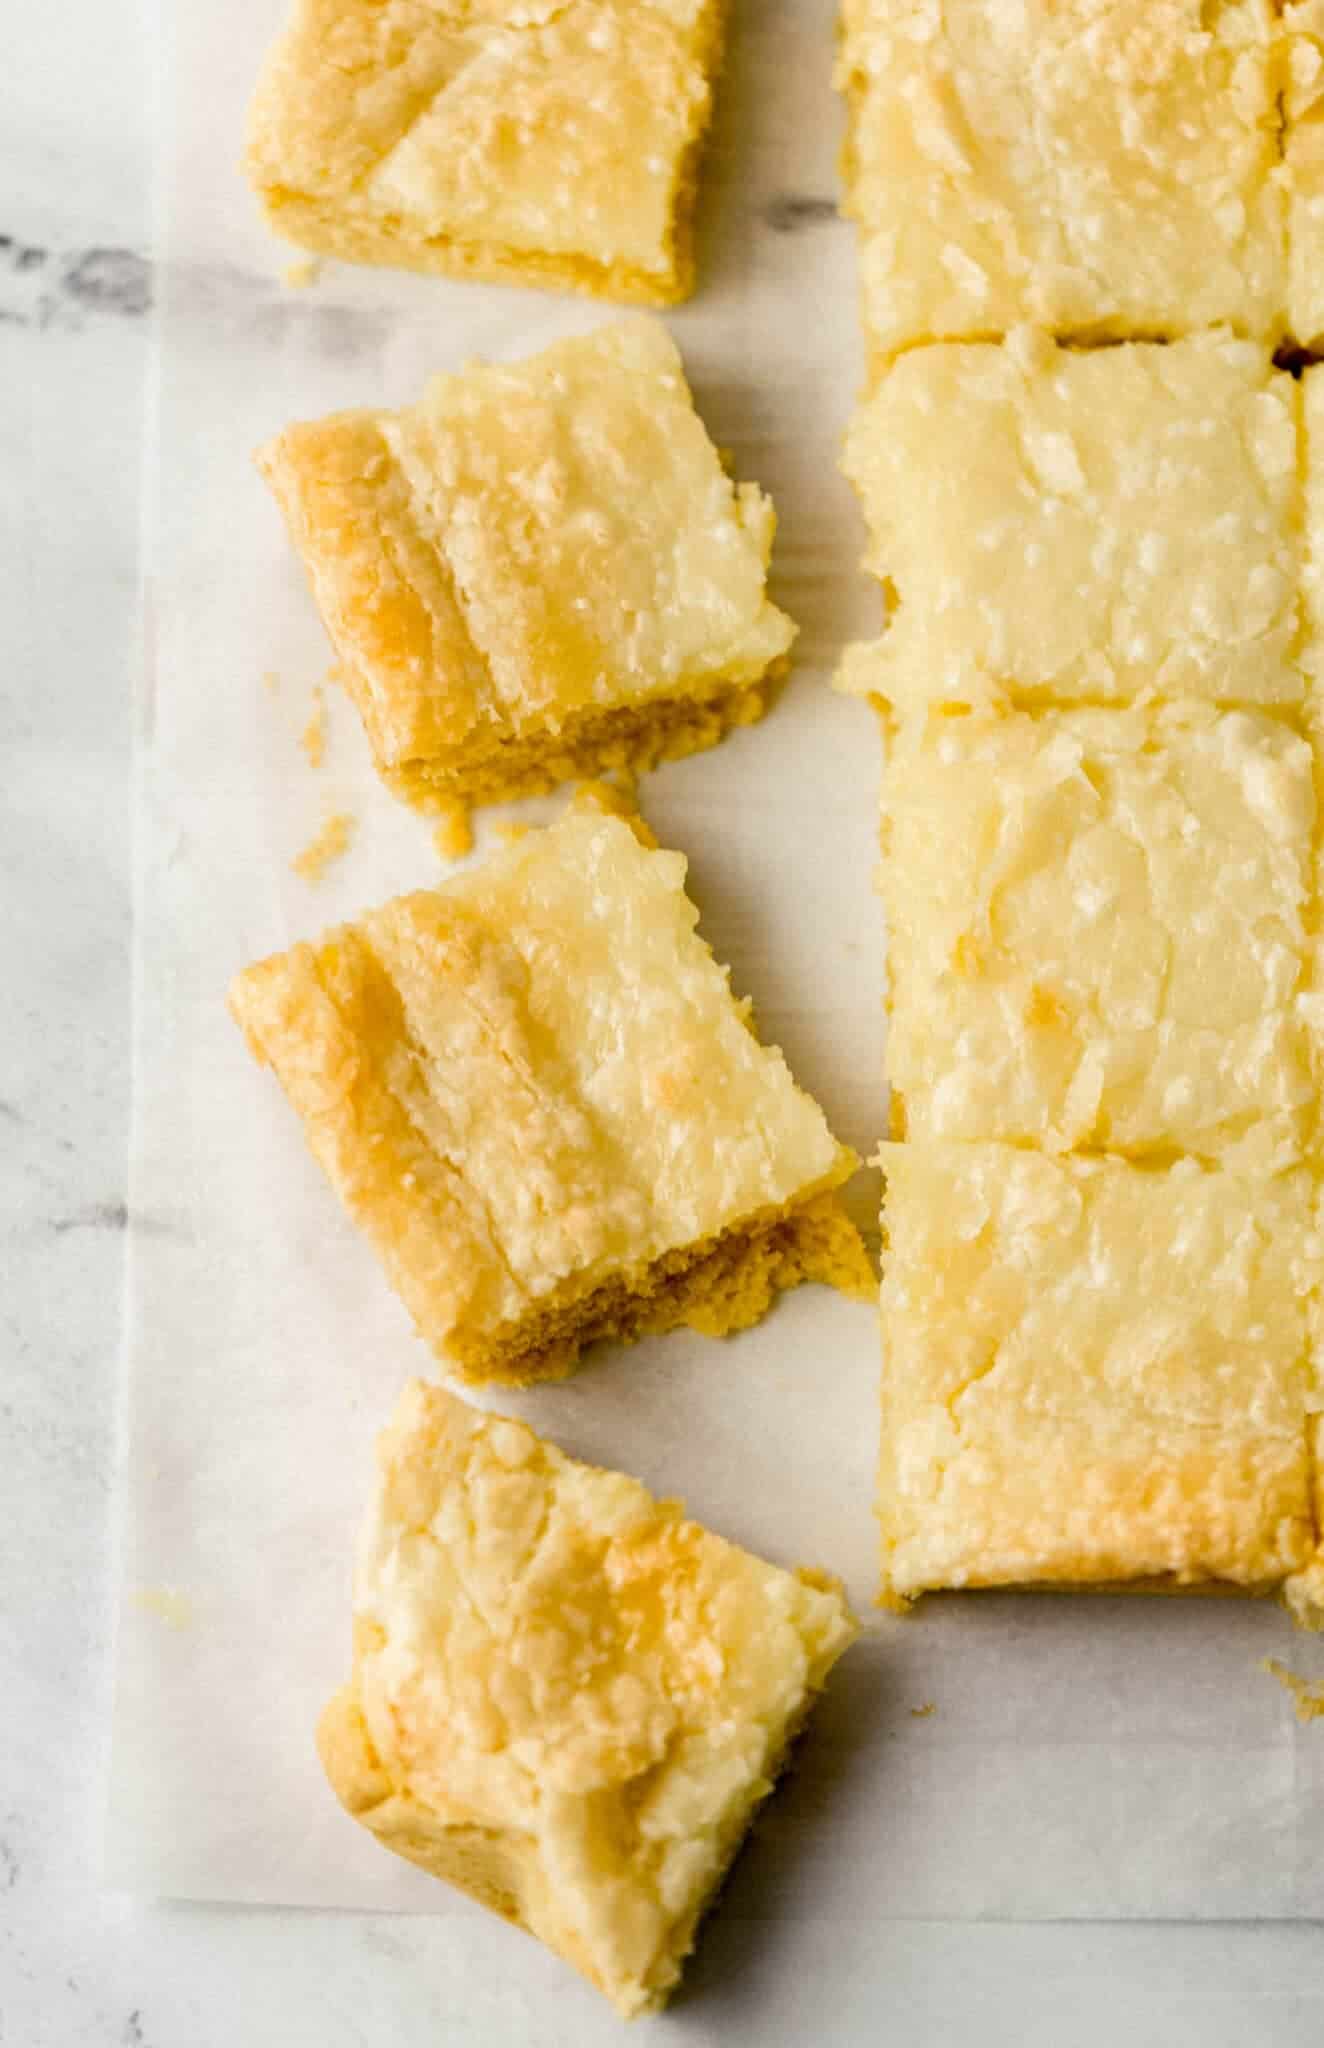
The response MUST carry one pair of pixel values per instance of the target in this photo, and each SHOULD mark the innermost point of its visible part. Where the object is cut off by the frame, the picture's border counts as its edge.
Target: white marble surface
(79, 1965)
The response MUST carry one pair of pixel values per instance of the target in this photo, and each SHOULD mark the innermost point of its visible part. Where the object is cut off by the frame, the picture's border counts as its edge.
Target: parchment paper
(1085, 1757)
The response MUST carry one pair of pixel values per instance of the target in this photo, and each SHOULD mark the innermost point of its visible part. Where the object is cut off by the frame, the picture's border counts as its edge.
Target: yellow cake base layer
(328, 231)
(627, 740)
(718, 1286)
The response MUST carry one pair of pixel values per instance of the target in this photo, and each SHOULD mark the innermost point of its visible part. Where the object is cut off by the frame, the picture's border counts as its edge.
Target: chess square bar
(1303, 158)
(540, 571)
(1098, 931)
(1057, 525)
(535, 142)
(1102, 170)
(567, 1699)
(1096, 1375)
(536, 1095)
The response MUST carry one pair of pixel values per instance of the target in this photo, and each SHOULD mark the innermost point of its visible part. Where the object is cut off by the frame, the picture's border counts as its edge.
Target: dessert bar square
(1100, 169)
(1097, 930)
(540, 142)
(536, 1094)
(1058, 525)
(1303, 157)
(542, 570)
(1095, 1374)
(566, 1699)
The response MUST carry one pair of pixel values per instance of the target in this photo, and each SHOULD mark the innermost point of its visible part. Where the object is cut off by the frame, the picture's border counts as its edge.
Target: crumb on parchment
(313, 737)
(303, 272)
(1307, 1694)
(167, 1602)
(270, 681)
(922, 1713)
(454, 834)
(326, 846)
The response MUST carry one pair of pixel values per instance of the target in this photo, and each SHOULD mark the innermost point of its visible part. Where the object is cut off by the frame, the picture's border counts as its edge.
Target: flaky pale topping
(546, 1650)
(1101, 167)
(1303, 159)
(561, 130)
(1094, 1372)
(1312, 579)
(1098, 933)
(1062, 525)
(533, 1075)
(532, 543)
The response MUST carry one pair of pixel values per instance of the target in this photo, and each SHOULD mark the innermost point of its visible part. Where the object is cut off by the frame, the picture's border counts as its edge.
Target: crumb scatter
(313, 737)
(454, 834)
(1307, 1694)
(327, 845)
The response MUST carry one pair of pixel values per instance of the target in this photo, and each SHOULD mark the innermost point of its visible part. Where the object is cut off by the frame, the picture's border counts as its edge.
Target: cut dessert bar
(1303, 156)
(539, 142)
(1095, 1374)
(1060, 525)
(1104, 170)
(540, 571)
(535, 1092)
(1312, 576)
(567, 1699)
(1098, 930)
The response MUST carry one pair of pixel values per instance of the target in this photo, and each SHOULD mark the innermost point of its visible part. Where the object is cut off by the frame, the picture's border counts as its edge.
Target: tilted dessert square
(541, 570)
(1098, 930)
(1095, 1374)
(1058, 525)
(1102, 170)
(539, 142)
(567, 1699)
(536, 1094)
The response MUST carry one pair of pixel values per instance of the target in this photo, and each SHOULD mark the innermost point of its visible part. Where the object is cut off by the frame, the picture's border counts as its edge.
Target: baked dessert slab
(1098, 930)
(1096, 1374)
(538, 142)
(567, 1699)
(1303, 160)
(1312, 575)
(542, 570)
(535, 1093)
(1060, 525)
(1103, 170)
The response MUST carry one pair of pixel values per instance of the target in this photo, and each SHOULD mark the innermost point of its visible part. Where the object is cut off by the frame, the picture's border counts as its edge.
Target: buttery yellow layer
(717, 1287)
(1094, 1373)
(553, 142)
(626, 740)
(566, 1698)
(326, 230)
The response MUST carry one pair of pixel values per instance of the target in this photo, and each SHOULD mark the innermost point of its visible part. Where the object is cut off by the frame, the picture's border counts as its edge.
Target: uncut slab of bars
(1095, 499)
